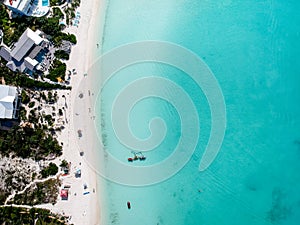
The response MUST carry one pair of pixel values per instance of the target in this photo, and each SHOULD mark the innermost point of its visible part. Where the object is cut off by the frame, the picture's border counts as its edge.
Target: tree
(60, 54)
(51, 169)
(25, 97)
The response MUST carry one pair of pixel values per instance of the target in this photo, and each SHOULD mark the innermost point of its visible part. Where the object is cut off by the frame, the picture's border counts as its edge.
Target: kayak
(128, 205)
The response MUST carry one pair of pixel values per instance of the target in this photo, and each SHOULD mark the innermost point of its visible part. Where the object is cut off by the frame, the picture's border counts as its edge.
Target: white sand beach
(81, 208)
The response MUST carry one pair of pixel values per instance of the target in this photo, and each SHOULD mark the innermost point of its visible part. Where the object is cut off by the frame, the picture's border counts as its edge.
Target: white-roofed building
(36, 8)
(27, 40)
(26, 53)
(9, 102)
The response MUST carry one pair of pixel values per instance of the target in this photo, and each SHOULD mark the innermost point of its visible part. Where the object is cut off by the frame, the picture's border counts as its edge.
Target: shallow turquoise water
(252, 48)
(45, 3)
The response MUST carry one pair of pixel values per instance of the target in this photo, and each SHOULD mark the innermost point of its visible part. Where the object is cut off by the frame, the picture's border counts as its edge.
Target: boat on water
(128, 205)
(134, 158)
(130, 159)
(142, 158)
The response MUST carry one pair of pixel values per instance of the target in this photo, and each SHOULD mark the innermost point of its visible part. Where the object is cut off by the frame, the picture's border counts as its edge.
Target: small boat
(142, 158)
(128, 205)
(135, 157)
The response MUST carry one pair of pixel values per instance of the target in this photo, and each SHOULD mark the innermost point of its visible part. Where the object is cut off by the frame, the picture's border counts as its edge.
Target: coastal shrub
(71, 38)
(6, 25)
(58, 13)
(19, 215)
(49, 120)
(43, 96)
(64, 163)
(75, 3)
(33, 176)
(27, 142)
(31, 104)
(22, 113)
(60, 54)
(3, 196)
(57, 69)
(33, 117)
(50, 170)
(23, 81)
(50, 96)
(57, 39)
(57, 2)
(25, 97)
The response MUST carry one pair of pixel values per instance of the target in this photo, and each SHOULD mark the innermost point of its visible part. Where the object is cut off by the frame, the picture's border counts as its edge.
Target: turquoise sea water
(252, 48)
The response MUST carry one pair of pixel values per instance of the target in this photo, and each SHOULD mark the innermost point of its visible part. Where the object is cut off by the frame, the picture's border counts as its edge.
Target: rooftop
(35, 8)
(8, 94)
(25, 43)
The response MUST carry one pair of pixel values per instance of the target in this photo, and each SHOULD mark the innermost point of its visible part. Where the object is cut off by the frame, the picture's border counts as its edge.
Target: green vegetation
(57, 13)
(13, 28)
(49, 119)
(26, 142)
(25, 81)
(39, 193)
(56, 2)
(60, 54)
(68, 37)
(3, 196)
(34, 140)
(31, 104)
(69, 11)
(57, 70)
(22, 80)
(25, 97)
(19, 215)
(50, 170)
(64, 163)
(22, 113)
(33, 116)
(60, 112)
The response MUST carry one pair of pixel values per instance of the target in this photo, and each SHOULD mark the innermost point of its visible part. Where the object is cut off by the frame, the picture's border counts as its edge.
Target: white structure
(9, 102)
(35, 8)
(24, 53)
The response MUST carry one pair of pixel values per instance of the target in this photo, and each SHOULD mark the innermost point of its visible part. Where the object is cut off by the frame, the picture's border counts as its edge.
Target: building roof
(5, 53)
(12, 3)
(35, 51)
(7, 97)
(12, 66)
(25, 43)
(35, 8)
(21, 5)
(30, 63)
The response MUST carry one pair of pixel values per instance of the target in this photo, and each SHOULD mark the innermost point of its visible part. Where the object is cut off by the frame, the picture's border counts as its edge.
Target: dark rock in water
(252, 182)
(114, 217)
(160, 220)
(280, 210)
(297, 143)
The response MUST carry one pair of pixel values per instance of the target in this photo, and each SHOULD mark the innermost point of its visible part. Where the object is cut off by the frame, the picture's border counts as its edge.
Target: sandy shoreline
(81, 208)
